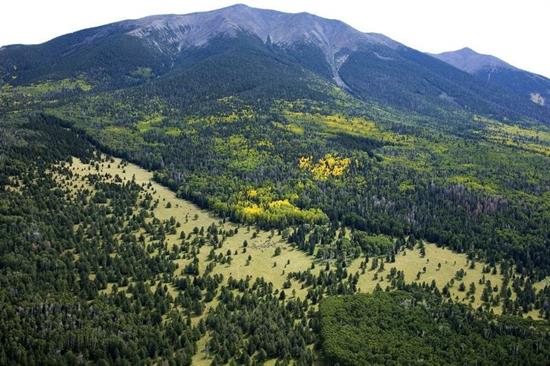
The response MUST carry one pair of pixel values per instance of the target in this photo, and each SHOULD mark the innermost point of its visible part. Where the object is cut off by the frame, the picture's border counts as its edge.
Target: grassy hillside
(442, 265)
(95, 265)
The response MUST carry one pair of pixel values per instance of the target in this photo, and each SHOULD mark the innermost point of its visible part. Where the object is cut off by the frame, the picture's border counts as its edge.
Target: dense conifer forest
(416, 326)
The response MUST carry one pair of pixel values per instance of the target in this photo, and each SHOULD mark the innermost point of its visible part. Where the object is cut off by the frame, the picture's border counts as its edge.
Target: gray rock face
(174, 33)
(282, 28)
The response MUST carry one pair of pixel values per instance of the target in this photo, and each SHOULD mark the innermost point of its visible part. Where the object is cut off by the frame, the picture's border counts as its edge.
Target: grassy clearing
(261, 244)
(439, 264)
(200, 358)
(258, 259)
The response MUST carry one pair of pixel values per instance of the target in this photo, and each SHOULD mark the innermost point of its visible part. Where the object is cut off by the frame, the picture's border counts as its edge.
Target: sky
(516, 31)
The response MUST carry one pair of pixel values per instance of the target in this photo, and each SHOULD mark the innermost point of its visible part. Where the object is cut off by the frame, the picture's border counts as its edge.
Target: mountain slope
(97, 52)
(493, 70)
(411, 80)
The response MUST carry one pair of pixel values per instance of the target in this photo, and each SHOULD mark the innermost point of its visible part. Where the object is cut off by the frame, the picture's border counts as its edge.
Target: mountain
(173, 34)
(164, 40)
(288, 50)
(493, 70)
(226, 187)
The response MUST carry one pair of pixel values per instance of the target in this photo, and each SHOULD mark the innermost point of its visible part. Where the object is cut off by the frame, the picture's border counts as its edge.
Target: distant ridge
(493, 70)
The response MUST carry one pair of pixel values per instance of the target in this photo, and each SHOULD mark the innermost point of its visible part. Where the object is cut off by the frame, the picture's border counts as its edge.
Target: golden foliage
(252, 211)
(280, 204)
(260, 205)
(328, 166)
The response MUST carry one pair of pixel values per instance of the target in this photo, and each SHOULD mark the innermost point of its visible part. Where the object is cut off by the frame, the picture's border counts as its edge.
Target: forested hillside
(478, 186)
(492, 70)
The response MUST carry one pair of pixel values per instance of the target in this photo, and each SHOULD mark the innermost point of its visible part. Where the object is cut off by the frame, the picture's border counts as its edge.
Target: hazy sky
(515, 31)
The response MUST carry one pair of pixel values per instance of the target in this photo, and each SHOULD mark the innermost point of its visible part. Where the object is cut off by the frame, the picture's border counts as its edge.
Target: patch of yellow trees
(328, 166)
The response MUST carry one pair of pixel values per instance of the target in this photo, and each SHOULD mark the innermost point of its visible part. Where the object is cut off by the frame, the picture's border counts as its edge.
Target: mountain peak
(470, 61)
(466, 50)
(491, 69)
(195, 29)
(238, 6)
